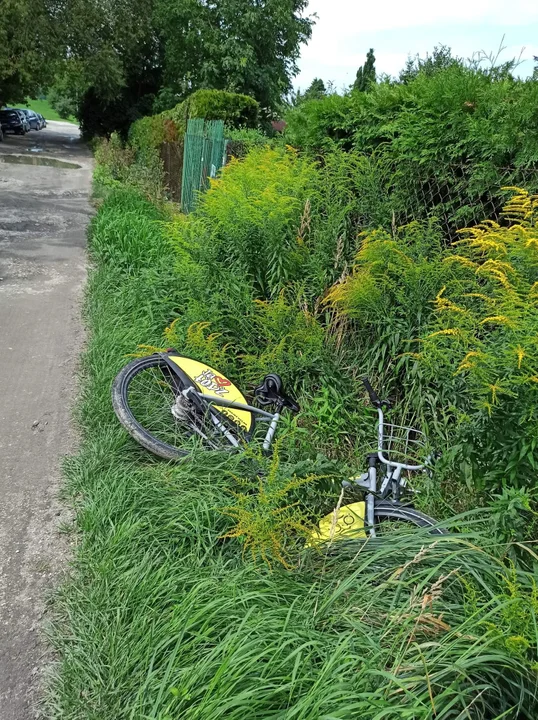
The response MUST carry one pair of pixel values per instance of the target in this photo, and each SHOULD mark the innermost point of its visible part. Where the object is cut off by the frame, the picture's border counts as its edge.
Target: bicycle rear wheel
(147, 400)
(389, 515)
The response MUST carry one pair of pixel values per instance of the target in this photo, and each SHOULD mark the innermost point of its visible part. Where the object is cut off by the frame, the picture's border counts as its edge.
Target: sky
(346, 29)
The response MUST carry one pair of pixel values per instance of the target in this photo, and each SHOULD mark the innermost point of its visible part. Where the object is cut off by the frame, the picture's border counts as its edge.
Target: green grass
(162, 619)
(43, 107)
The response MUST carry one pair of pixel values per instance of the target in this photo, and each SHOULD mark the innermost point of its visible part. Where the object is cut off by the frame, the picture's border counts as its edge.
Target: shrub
(242, 140)
(483, 343)
(150, 132)
(113, 162)
(250, 220)
(234, 109)
(445, 141)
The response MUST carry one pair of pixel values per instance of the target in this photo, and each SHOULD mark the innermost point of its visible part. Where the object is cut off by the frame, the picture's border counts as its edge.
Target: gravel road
(44, 211)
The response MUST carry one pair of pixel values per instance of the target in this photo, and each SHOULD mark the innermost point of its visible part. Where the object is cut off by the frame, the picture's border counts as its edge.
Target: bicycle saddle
(271, 392)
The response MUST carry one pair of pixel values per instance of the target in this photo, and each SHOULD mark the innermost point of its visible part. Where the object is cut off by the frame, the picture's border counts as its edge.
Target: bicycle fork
(370, 496)
(369, 482)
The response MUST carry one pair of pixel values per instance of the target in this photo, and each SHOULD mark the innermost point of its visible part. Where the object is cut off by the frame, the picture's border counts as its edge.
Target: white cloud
(345, 29)
(347, 17)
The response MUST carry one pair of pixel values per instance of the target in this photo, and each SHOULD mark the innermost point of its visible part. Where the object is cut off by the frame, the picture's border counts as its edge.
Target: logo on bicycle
(216, 383)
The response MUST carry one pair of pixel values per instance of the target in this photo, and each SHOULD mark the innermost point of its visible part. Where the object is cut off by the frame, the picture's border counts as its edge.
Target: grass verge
(43, 108)
(163, 619)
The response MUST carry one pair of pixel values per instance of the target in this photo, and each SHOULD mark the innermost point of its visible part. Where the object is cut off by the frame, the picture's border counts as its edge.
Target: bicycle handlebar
(374, 397)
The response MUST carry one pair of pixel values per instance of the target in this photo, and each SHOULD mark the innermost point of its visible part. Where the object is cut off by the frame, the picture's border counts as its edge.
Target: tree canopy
(243, 46)
(129, 57)
(30, 46)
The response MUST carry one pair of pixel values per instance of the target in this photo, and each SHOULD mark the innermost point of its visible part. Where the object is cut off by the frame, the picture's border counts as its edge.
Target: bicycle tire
(127, 417)
(385, 510)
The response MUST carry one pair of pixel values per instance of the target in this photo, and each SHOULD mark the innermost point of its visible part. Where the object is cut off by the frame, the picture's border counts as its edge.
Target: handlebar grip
(376, 402)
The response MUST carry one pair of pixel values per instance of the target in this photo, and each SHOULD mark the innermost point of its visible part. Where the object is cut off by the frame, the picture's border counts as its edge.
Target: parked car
(33, 120)
(42, 121)
(13, 121)
(1, 134)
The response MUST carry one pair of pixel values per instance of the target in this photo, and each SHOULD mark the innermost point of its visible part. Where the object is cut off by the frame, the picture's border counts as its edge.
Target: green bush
(119, 166)
(445, 142)
(234, 109)
(150, 132)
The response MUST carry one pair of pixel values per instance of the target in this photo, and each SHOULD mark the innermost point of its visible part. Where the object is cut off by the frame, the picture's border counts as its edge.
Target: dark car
(33, 120)
(13, 121)
(42, 121)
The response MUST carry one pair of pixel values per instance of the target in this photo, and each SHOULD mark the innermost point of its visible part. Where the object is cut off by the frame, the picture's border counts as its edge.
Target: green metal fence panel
(203, 156)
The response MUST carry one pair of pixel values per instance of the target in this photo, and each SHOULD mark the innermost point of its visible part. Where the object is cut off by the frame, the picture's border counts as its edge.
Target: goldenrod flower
(520, 352)
(480, 296)
(448, 331)
(499, 319)
(495, 390)
(461, 260)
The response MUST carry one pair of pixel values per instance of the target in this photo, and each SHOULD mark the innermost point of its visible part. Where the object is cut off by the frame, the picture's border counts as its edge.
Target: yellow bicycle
(173, 406)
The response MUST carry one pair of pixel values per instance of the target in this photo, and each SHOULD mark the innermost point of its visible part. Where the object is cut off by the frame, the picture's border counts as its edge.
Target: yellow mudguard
(211, 382)
(345, 524)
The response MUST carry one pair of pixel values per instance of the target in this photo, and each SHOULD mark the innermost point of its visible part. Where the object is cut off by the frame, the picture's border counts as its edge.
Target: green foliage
(150, 132)
(250, 220)
(484, 338)
(118, 165)
(233, 108)
(125, 233)
(242, 140)
(67, 90)
(234, 45)
(129, 60)
(314, 91)
(161, 617)
(366, 75)
(443, 142)
(30, 44)
(268, 523)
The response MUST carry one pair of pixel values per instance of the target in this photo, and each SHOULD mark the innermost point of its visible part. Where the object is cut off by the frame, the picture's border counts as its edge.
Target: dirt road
(44, 212)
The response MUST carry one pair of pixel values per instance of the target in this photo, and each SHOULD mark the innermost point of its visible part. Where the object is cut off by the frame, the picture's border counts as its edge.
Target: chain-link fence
(458, 196)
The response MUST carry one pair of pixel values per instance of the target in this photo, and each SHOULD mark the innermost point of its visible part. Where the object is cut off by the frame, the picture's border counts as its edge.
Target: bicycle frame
(369, 481)
(259, 415)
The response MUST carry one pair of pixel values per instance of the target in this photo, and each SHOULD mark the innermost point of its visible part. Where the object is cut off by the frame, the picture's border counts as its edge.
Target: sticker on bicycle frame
(344, 524)
(210, 382)
(216, 383)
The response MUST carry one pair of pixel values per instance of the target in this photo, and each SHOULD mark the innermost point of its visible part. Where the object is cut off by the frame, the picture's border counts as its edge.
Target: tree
(315, 91)
(114, 66)
(243, 46)
(30, 45)
(366, 75)
(438, 61)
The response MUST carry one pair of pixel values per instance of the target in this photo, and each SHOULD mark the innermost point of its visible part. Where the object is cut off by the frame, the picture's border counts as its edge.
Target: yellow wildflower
(520, 352)
(495, 390)
(461, 260)
(448, 331)
(500, 276)
(499, 319)
(480, 296)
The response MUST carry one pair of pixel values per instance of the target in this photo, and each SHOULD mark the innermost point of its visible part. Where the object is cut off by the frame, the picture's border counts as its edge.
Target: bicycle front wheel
(148, 401)
(388, 516)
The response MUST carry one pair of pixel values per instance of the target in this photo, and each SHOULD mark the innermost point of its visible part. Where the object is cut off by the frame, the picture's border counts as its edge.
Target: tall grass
(165, 619)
